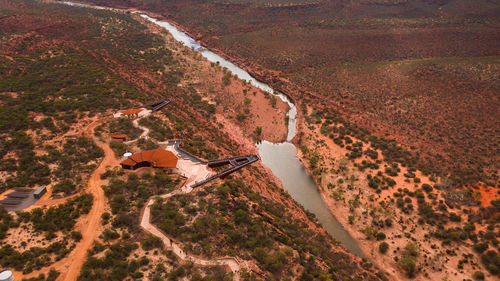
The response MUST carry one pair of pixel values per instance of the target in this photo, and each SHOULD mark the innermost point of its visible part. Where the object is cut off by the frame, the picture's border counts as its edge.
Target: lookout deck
(157, 105)
(236, 163)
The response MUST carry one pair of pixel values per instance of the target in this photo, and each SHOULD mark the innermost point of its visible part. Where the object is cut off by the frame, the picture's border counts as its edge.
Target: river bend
(281, 158)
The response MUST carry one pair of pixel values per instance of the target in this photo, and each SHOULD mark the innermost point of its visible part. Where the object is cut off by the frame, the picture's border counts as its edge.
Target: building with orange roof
(157, 158)
(133, 111)
(116, 136)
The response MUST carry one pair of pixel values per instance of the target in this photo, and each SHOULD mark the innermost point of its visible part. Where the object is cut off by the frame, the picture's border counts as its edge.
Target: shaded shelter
(157, 158)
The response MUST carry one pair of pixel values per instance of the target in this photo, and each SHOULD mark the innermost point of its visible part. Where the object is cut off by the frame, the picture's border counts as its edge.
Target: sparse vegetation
(408, 259)
(50, 221)
(55, 80)
(242, 226)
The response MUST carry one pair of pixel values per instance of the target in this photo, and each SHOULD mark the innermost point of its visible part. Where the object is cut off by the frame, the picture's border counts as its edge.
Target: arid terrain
(380, 203)
(424, 73)
(398, 115)
(65, 74)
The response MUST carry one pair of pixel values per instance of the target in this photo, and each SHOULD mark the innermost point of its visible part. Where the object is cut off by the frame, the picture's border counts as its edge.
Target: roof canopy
(10, 202)
(159, 158)
(132, 111)
(18, 195)
(118, 136)
(24, 189)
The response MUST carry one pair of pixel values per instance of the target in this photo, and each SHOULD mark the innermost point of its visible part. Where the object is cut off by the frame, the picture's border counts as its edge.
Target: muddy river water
(279, 157)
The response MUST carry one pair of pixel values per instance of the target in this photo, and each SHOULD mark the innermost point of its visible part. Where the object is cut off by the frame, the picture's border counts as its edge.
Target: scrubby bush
(408, 259)
(240, 117)
(226, 79)
(65, 186)
(454, 217)
(151, 242)
(58, 218)
(491, 260)
(159, 130)
(383, 247)
(381, 236)
(112, 266)
(427, 187)
(478, 275)
(76, 235)
(480, 247)
(124, 126)
(119, 148)
(109, 234)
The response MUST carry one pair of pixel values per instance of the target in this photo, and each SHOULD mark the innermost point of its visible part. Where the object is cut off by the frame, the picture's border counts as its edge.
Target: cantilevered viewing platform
(236, 163)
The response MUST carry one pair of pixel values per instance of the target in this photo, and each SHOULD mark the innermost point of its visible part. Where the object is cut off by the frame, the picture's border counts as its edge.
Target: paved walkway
(144, 134)
(194, 172)
(170, 244)
(145, 131)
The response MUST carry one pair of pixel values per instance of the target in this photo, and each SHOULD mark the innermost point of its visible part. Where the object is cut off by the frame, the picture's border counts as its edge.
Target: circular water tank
(6, 275)
(127, 155)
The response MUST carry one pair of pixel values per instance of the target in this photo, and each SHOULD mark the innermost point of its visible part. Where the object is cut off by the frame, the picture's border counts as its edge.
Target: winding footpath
(231, 262)
(145, 131)
(194, 172)
(71, 265)
(144, 134)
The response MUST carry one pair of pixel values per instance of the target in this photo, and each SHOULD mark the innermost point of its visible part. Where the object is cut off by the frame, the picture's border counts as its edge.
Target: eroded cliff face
(405, 89)
(420, 72)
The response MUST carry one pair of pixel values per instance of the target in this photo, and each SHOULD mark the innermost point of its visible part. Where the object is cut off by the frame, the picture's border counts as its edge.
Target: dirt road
(50, 202)
(87, 131)
(71, 265)
(89, 233)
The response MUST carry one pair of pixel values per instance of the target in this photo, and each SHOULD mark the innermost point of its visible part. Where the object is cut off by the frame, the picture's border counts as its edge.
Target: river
(281, 158)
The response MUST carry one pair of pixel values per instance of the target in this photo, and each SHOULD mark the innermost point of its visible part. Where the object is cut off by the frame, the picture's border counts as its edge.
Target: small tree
(383, 247)
(381, 236)
(480, 247)
(76, 235)
(408, 260)
(478, 275)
